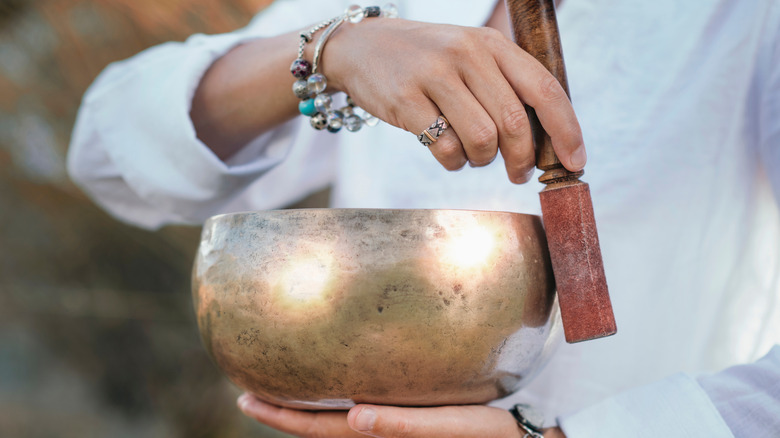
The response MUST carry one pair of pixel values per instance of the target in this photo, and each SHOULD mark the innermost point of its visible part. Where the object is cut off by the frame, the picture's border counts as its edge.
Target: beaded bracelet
(310, 84)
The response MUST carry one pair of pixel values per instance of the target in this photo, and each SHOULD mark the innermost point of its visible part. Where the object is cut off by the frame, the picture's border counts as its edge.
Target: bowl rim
(282, 211)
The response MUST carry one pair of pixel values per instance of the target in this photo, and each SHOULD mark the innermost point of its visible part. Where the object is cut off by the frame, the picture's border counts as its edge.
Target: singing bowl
(325, 308)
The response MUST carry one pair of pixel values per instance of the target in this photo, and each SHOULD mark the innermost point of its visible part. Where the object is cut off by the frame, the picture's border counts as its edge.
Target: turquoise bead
(306, 107)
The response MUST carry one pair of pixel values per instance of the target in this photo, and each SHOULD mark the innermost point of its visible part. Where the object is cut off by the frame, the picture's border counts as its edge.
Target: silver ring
(430, 135)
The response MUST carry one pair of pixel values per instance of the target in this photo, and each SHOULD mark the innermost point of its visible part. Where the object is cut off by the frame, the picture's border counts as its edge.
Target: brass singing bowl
(325, 308)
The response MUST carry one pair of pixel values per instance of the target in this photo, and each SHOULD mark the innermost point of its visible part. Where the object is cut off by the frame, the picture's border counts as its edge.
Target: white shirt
(679, 104)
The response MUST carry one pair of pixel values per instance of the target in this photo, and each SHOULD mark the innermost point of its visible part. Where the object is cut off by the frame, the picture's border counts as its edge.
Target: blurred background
(97, 332)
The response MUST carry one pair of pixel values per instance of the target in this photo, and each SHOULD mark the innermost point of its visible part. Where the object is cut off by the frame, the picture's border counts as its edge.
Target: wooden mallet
(567, 210)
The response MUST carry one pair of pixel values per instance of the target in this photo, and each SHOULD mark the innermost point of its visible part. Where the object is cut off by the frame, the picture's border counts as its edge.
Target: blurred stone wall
(97, 335)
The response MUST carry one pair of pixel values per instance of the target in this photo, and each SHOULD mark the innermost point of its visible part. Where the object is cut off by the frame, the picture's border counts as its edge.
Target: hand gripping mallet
(567, 210)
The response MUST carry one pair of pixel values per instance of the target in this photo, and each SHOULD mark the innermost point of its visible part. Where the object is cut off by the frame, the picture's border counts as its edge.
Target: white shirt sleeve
(742, 401)
(748, 396)
(768, 91)
(134, 149)
(676, 407)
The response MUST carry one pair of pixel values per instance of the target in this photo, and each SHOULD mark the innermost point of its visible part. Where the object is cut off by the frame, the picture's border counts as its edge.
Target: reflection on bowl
(325, 308)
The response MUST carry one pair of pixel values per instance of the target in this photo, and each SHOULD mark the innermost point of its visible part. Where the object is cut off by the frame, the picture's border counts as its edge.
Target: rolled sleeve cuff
(674, 407)
(157, 151)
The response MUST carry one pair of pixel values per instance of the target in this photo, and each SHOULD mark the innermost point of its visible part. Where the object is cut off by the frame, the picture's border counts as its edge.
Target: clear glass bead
(354, 14)
(353, 123)
(369, 119)
(390, 10)
(335, 121)
(323, 102)
(301, 89)
(317, 83)
(347, 111)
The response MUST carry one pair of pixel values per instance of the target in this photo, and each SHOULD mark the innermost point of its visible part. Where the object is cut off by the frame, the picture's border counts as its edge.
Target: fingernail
(243, 401)
(579, 157)
(365, 420)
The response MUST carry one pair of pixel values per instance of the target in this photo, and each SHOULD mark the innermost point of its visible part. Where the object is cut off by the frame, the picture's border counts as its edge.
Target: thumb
(576, 160)
(566, 141)
(438, 422)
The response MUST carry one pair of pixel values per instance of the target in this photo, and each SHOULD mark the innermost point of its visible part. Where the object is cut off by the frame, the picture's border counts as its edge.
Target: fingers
(540, 89)
(447, 149)
(479, 80)
(484, 102)
(483, 121)
(439, 422)
(469, 119)
(299, 423)
(507, 112)
(472, 136)
(385, 421)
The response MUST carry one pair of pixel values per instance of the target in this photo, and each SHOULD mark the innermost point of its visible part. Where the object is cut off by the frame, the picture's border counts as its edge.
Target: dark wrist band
(529, 420)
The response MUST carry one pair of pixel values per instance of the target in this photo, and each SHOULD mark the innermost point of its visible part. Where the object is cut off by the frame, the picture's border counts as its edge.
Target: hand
(389, 422)
(407, 73)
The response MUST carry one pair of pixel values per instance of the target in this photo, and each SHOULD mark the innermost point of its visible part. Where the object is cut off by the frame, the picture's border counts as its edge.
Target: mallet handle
(536, 32)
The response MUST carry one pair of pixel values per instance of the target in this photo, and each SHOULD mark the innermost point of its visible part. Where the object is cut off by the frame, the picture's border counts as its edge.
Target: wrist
(330, 68)
(530, 421)
(315, 89)
(344, 58)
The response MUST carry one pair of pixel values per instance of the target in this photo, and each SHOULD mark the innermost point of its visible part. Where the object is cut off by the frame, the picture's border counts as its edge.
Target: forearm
(245, 93)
